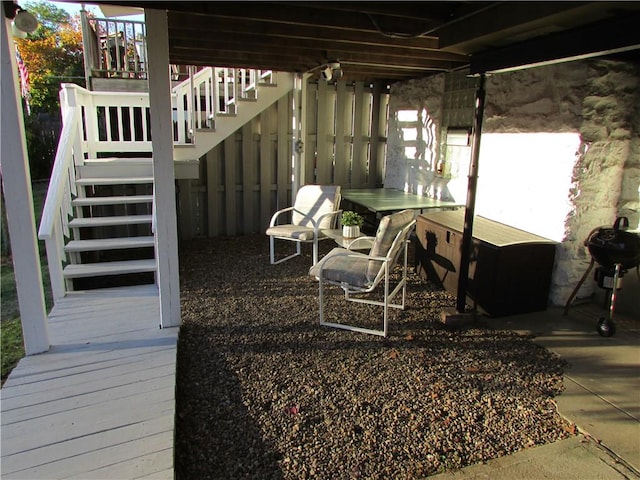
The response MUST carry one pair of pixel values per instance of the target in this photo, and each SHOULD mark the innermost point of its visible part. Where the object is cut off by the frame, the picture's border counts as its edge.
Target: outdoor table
(382, 201)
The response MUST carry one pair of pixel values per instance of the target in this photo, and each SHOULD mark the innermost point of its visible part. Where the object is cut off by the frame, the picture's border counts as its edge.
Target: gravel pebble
(264, 392)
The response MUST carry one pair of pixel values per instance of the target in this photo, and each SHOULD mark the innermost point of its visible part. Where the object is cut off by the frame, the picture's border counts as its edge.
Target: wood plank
(375, 179)
(115, 200)
(109, 244)
(325, 134)
(344, 105)
(17, 193)
(360, 122)
(267, 208)
(310, 139)
(163, 167)
(49, 455)
(231, 207)
(110, 221)
(69, 378)
(283, 155)
(248, 175)
(101, 402)
(114, 181)
(150, 464)
(109, 268)
(381, 139)
(213, 195)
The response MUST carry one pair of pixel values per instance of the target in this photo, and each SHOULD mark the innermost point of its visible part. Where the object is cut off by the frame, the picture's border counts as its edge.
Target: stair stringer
(226, 125)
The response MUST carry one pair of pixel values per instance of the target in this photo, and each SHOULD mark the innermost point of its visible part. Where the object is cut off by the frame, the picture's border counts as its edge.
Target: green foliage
(49, 16)
(11, 344)
(42, 142)
(52, 54)
(350, 219)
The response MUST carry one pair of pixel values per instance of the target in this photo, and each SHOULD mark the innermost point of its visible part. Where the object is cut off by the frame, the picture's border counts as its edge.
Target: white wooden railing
(115, 48)
(56, 211)
(212, 92)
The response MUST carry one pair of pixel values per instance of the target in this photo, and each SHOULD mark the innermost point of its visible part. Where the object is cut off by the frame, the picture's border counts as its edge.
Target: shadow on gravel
(207, 444)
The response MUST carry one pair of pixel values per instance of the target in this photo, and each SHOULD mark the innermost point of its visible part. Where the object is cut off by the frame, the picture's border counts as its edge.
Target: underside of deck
(101, 402)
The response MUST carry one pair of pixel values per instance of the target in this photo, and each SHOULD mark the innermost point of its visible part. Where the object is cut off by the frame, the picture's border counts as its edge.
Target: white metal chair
(315, 209)
(360, 273)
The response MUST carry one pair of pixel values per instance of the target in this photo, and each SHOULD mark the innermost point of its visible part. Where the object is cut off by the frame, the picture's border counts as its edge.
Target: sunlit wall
(524, 179)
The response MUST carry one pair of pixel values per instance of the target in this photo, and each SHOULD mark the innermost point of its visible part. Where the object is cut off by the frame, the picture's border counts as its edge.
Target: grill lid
(612, 245)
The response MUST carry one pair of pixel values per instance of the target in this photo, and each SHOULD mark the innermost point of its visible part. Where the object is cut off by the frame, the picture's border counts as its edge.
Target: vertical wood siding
(244, 180)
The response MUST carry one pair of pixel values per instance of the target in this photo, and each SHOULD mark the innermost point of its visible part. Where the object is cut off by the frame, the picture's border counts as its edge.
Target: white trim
(16, 180)
(166, 227)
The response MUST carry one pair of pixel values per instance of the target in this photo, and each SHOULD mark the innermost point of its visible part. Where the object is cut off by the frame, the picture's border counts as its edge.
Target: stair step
(109, 244)
(119, 161)
(109, 221)
(113, 181)
(109, 268)
(120, 200)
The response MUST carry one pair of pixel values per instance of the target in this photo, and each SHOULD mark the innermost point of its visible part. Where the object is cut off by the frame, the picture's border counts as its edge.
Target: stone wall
(606, 163)
(413, 146)
(597, 98)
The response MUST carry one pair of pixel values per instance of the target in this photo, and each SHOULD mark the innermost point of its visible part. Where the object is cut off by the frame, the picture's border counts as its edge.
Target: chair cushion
(389, 227)
(351, 269)
(315, 201)
(295, 232)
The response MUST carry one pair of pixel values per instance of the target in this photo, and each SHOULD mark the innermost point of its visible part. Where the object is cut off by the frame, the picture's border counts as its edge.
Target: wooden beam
(16, 184)
(296, 14)
(613, 36)
(222, 26)
(163, 170)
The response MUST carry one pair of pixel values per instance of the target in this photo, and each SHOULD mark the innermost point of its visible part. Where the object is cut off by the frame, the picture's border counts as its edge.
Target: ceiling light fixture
(330, 71)
(23, 21)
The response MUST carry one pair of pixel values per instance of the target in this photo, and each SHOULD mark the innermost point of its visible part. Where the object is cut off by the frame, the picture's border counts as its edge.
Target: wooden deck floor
(101, 402)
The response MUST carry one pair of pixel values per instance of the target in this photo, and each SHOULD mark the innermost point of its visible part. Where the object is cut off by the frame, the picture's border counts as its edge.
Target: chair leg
(321, 296)
(272, 253)
(315, 250)
(386, 298)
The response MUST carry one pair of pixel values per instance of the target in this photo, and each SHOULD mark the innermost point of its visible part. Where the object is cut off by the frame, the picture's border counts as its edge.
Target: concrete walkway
(601, 397)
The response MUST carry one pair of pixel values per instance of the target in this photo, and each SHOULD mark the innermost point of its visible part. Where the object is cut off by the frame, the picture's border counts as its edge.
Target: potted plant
(351, 223)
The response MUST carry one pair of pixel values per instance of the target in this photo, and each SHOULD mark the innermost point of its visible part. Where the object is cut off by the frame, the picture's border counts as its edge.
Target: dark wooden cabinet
(509, 271)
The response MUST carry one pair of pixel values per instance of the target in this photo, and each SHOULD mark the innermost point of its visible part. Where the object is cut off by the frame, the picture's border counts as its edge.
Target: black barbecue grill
(616, 251)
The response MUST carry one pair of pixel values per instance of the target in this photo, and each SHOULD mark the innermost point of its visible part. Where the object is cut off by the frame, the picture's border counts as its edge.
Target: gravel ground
(264, 392)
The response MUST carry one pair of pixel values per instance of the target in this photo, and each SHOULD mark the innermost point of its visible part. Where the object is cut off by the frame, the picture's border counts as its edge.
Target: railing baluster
(120, 122)
(208, 97)
(54, 260)
(216, 91)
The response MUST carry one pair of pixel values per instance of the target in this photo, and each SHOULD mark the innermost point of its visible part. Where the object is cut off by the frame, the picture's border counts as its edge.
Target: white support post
(163, 170)
(16, 184)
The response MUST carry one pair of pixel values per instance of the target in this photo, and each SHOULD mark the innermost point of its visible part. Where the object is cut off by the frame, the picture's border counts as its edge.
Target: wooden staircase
(111, 229)
(98, 218)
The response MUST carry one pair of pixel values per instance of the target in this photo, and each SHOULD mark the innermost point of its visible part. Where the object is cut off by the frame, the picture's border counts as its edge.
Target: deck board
(101, 402)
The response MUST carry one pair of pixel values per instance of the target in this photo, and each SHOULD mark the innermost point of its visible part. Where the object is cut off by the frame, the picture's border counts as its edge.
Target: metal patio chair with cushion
(360, 273)
(315, 209)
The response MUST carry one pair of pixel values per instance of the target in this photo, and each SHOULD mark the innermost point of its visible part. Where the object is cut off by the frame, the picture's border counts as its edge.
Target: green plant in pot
(351, 223)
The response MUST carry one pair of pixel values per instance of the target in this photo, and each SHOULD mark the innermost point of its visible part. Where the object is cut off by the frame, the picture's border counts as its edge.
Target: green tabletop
(387, 200)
